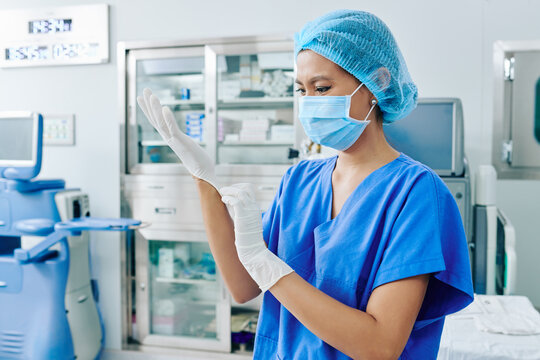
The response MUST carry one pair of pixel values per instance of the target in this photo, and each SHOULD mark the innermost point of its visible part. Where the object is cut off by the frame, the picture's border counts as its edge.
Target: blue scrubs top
(401, 221)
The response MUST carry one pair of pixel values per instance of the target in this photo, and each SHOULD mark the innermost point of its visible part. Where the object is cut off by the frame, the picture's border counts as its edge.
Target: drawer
(159, 186)
(169, 213)
(172, 202)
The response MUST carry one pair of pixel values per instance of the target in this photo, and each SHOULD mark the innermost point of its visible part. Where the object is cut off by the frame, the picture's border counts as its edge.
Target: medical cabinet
(235, 98)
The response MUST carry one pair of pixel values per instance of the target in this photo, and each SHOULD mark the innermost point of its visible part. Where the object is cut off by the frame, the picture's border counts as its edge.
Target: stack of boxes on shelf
(254, 130)
(282, 133)
(195, 126)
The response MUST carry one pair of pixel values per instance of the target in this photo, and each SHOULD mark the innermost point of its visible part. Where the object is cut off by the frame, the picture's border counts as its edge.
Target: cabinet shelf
(257, 102)
(160, 143)
(186, 281)
(190, 103)
(257, 143)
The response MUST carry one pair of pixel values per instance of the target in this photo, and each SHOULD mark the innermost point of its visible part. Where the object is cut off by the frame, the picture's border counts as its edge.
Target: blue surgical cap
(362, 44)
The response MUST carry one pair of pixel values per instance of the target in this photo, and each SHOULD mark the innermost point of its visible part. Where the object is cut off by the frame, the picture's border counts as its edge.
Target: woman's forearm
(220, 232)
(381, 334)
(331, 321)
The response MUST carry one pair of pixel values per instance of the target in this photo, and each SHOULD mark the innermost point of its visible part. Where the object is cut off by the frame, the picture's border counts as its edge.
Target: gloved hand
(194, 158)
(262, 265)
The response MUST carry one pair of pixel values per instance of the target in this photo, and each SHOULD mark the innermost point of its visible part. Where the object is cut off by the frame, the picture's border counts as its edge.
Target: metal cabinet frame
(503, 76)
(129, 53)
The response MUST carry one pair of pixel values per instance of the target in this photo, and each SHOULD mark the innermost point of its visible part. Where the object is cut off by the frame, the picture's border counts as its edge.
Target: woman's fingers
(144, 108)
(156, 107)
(170, 122)
(243, 192)
(230, 200)
(147, 93)
(230, 191)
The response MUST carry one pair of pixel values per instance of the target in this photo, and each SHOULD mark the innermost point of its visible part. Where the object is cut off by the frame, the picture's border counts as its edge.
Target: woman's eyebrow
(313, 79)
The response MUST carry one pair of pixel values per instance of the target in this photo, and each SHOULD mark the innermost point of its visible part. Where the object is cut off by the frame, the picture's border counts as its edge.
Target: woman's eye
(322, 89)
(301, 91)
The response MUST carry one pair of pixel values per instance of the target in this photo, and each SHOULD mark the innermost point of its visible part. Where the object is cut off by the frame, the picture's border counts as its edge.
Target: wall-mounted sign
(64, 35)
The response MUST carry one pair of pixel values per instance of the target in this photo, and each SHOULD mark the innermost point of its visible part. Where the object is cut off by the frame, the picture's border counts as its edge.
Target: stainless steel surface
(460, 189)
(122, 79)
(152, 44)
(509, 68)
(126, 270)
(142, 304)
(210, 57)
(515, 152)
(525, 149)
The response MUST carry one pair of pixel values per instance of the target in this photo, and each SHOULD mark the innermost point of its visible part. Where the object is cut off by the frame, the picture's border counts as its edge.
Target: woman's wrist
(204, 186)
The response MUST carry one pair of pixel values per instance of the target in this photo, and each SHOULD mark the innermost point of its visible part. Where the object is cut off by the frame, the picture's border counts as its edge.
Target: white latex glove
(194, 158)
(262, 265)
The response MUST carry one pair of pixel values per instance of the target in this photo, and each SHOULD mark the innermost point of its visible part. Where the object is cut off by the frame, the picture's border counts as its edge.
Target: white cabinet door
(180, 298)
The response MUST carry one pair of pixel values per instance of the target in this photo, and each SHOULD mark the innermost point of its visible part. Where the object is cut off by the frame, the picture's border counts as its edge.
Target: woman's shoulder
(420, 177)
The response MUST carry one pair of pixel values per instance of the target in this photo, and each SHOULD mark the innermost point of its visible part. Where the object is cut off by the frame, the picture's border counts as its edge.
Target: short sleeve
(427, 237)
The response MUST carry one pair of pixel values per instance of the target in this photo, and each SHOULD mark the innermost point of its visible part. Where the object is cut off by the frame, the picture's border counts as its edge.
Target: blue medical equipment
(47, 300)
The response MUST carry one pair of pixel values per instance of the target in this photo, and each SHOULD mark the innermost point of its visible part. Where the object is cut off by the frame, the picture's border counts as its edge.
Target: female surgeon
(360, 255)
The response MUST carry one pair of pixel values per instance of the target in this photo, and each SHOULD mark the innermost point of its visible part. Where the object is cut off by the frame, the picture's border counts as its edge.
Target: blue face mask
(327, 122)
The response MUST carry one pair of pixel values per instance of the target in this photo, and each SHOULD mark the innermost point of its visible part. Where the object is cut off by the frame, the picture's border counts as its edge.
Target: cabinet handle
(165, 211)
(266, 187)
(223, 292)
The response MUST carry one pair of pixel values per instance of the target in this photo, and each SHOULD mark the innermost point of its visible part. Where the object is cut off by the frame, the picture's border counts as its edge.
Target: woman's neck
(370, 151)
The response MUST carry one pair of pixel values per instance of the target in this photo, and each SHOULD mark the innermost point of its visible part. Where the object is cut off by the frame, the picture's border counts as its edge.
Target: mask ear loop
(358, 88)
(349, 98)
(373, 104)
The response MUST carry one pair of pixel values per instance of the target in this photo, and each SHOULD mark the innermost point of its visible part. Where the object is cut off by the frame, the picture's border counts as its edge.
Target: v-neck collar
(368, 179)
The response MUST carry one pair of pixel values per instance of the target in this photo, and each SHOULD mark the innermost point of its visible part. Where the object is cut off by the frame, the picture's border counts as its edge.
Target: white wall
(447, 46)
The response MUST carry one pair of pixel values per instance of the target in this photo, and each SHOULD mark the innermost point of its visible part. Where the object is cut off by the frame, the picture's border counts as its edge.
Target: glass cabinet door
(181, 300)
(177, 78)
(255, 104)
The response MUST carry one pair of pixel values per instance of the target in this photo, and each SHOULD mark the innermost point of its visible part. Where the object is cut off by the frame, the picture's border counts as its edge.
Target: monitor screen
(16, 139)
(425, 135)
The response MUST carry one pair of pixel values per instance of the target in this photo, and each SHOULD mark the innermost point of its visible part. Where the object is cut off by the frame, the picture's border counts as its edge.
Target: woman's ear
(383, 78)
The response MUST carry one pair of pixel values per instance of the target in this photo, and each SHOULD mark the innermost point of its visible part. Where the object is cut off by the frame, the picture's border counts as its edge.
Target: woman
(361, 255)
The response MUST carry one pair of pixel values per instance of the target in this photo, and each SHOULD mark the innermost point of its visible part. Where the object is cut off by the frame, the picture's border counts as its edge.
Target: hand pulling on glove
(262, 265)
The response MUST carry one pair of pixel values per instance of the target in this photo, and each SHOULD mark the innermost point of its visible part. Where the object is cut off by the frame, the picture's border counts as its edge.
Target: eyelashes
(318, 89)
